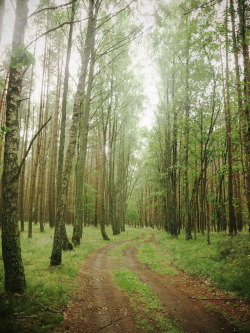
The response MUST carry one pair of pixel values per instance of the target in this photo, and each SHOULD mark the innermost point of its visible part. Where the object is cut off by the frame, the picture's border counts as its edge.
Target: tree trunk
(51, 203)
(232, 223)
(11, 249)
(83, 138)
(187, 119)
(243, 10)
(56, 256)
(2, 8)
(104, 161)
(173, 224)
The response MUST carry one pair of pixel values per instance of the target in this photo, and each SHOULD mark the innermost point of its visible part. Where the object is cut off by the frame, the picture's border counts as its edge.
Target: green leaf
(21, 57)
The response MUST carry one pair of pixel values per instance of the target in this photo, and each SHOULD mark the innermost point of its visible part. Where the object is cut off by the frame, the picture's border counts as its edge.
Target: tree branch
(30, 145)
(53, 29)
(50, 8)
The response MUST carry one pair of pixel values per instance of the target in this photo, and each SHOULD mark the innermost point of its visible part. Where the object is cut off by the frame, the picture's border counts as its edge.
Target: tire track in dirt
(190, 313)
(99, 305)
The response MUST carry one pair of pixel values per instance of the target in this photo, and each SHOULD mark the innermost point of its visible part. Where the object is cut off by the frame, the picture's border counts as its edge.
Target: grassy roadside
(225, 262)
(48, 289)
(149, 312)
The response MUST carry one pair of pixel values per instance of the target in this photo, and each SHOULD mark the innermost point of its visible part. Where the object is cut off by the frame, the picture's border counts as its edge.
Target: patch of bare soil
(186, 299)
(101, 306)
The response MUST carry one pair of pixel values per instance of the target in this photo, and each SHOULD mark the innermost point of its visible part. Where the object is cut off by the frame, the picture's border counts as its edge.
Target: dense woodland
(72, 149)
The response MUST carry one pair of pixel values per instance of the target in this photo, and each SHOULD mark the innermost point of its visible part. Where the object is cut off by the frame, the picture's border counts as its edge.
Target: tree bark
(232, 223)
(187, 119)
(56, 256)
(243, 10)
(173, 224)
(11, 249)
(83, 138)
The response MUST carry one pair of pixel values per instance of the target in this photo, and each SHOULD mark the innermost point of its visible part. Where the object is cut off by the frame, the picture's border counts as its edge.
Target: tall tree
(56, 256)
(232, 222)
(13, 265)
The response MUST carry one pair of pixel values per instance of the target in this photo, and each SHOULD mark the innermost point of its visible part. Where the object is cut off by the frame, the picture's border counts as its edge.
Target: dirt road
(100, 306)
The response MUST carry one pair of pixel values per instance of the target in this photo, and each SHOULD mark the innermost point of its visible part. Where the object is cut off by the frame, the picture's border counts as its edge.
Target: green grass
(117, 252)
(39, 309)
(225, 262)
(152, 255)
(145, 303)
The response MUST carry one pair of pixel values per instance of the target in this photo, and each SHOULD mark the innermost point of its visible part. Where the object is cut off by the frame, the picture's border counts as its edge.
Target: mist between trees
(82, 157)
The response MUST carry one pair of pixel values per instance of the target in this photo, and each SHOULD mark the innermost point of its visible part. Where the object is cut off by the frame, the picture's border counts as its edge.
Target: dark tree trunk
(232, 223)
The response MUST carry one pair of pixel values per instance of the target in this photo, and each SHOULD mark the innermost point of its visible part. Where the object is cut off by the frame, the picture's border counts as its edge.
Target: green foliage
(3, 131)
(225, 262)
(142, 297)
(21, 57)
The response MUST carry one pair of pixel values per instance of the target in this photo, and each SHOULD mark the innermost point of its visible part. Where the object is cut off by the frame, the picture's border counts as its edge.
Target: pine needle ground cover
(39, 309)
(226, 262)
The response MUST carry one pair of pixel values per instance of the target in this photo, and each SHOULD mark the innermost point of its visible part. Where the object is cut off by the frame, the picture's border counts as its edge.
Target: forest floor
(100, 305)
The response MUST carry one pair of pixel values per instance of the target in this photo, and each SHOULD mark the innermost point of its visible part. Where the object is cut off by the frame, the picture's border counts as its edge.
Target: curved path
(100, 306)
(177, 301)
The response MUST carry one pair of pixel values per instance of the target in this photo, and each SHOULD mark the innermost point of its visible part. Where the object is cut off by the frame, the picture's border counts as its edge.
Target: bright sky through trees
(142, 61)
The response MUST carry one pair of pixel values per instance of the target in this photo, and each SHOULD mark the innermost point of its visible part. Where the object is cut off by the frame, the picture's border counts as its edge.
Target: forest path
(179, 295)
(100, 306)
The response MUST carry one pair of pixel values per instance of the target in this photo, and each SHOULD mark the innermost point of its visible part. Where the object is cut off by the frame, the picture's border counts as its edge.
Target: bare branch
(50, 8)
(53, 29)
(30, 145)
(210, 3)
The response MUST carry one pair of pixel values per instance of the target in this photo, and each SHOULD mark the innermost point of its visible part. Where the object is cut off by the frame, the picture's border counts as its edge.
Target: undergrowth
(39, 309)
(225, 262)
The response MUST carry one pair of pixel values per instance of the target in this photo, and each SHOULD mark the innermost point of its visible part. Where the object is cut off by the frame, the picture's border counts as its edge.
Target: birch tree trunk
(11, 249)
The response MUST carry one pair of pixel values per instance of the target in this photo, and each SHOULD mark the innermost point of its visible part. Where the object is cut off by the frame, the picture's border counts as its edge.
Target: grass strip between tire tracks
(149, 312)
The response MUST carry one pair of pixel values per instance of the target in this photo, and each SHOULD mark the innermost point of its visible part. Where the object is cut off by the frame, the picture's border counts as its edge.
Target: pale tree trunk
(2, 7)
(187, 119)
(83, 138)
(11, 249)
(22, 175)
(42, 166)
(104, 161)
(61, 229)
(56, 256)
(32, 191)
(51, 189)
(115, 223)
